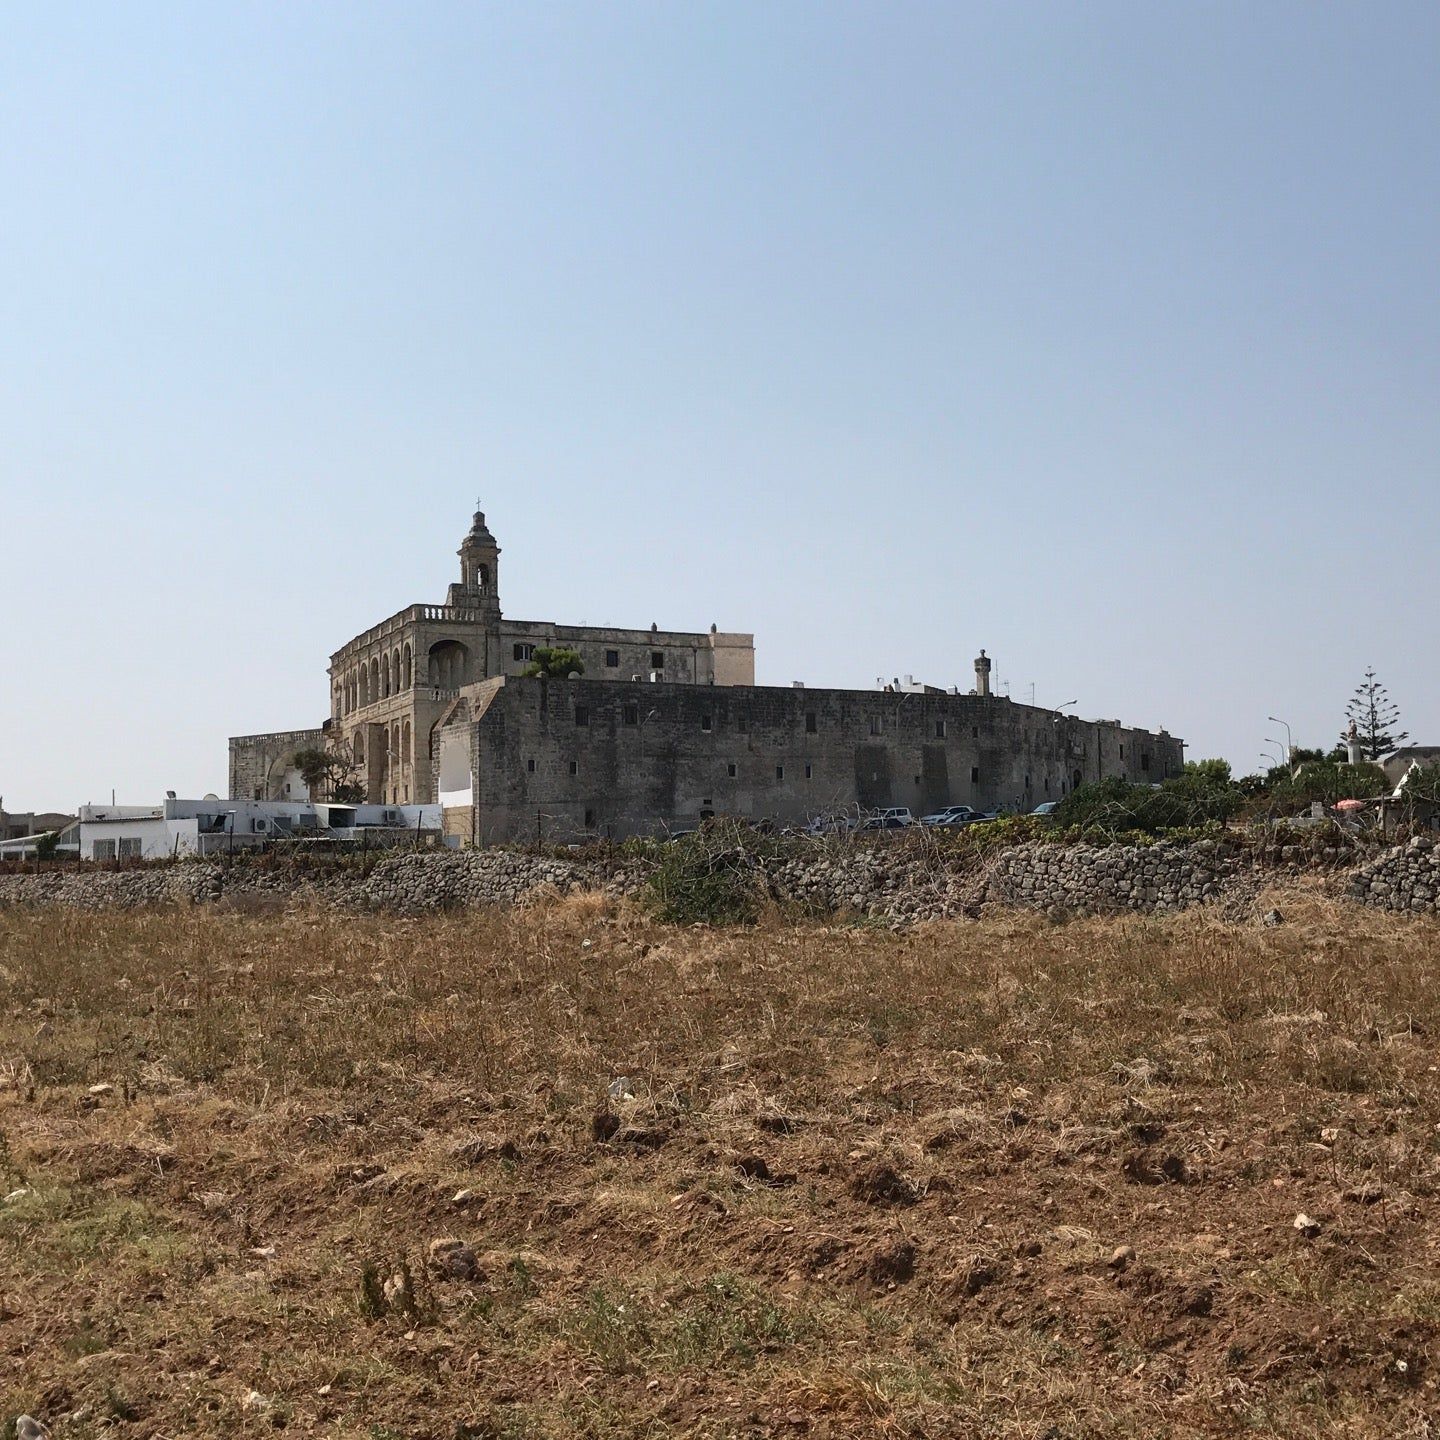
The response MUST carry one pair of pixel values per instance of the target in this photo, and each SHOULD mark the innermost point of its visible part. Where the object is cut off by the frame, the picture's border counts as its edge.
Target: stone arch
(374, 678)
(385, 674)
(449, 664)
(405, 754)
(409, 674)
(395, 669)
(364, 685)
(358, 747)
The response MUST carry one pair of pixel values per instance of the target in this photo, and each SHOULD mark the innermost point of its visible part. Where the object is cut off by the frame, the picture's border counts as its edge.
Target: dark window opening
(524, 652)
(589, 819)
(1144, 760)
(1078, 780)
(974, 732)
(877, 725)
(731, 771)
(582, 714)
(809, 772)
(1122, 752)
(811, 725)
(632, 715)
(530, 766)
(974, 774)
(779, 772)
(574, 767)
(939, 729)
(657, 659)
(612, 659)
(706, 723)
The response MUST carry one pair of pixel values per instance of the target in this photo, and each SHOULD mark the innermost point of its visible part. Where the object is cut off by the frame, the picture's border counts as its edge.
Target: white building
(211, 826)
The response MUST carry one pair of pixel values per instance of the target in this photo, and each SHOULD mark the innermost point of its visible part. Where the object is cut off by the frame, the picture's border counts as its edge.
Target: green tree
(328, 775)
(1217, 772)
(554, 663)
(1373, 715)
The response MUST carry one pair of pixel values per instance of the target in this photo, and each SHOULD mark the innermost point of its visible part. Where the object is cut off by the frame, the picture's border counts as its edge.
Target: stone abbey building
(662, 729)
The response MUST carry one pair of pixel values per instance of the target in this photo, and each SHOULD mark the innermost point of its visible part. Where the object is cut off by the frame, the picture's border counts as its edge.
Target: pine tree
(1372, 714)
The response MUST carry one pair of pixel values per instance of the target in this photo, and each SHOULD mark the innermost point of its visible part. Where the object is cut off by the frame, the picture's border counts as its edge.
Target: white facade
(212, 827)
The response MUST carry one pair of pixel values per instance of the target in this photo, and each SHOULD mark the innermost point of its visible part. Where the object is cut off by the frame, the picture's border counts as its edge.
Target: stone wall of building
(260, 765)
(559, 760)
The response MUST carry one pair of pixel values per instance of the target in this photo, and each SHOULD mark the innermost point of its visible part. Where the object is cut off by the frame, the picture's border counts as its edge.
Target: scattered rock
(101, 1089)
(1120, 1257)
(622, 1090)
(604, 1124)
(27, 1427)
(452, 1259)
(1272, 918)
(1306, 1226)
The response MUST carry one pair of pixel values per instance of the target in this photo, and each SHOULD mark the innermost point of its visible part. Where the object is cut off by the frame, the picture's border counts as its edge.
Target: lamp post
(1278, 760)
(1289, 743)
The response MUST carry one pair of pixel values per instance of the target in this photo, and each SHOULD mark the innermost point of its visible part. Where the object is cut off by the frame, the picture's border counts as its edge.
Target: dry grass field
(1002, 1178)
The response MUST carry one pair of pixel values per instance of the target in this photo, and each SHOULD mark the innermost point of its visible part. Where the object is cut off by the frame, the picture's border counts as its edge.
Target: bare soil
(1125, 1177)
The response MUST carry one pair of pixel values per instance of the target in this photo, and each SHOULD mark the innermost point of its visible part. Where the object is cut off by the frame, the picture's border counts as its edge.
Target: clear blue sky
(1105, 336)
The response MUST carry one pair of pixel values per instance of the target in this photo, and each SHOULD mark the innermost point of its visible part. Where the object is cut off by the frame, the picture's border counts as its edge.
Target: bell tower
(479, 587)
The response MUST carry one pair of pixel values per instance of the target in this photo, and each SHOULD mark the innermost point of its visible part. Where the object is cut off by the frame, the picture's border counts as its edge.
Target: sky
(1105, 336)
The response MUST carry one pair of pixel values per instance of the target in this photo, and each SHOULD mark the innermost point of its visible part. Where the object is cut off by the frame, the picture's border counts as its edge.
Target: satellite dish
(210, 797)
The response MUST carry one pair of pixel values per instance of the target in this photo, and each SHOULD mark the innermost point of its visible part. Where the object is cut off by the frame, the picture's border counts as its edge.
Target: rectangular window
(939, 729)
(582, 714)
(530, 766)
(632, 715)
(974, 732)
(104, 850)
(574, 767)
(974, 774)
(589, 819)
(612, 659)
(657, 659)
(1122, 752)
(742, 724)
(130, 848)
(811, 725)
(1144, 760)
(524, 652)
(705, 722)
(779, 772)
(809, 772)
(731, 771)
(877, 725)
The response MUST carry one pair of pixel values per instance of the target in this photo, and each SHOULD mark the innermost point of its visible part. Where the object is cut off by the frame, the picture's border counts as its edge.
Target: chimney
(982, 674)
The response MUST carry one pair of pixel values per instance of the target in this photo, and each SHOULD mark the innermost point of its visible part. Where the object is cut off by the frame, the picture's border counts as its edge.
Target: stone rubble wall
(1403, 879)
(898, 883)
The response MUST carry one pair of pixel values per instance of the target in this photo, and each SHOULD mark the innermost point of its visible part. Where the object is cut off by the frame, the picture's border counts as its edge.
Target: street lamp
(1289, 743)
(1277, 758)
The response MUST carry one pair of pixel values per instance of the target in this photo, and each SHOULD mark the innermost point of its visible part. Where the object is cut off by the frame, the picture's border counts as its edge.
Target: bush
(712, 877)
(1196, 799)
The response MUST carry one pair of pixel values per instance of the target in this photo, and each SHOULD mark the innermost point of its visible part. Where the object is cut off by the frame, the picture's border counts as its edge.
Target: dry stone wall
(898, 883)
(1404, 879)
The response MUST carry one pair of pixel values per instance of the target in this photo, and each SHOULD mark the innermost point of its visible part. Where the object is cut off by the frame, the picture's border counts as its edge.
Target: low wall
(900, 883)
(1403, 879)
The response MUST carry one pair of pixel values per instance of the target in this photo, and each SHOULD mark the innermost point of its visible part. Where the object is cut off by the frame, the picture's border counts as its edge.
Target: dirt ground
(1124, 1177)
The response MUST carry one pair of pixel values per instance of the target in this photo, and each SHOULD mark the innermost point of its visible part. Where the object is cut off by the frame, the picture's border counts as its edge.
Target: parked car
(1047, 810)
(896, 812)
(951, 815)
(885, 821)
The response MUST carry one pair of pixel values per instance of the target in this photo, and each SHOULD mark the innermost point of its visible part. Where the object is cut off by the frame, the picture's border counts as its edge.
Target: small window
(130, 848)
(612, 659)
(779, 772)
(742, 723)
(657, 659)
(582, 714)
(1144, 760)
(877, 724)
(524, 652)
(811, 726)
(731, 771)
(974, 732)
(589, 819)
(706, 723)
(104, 850)
(574, 767)
(974, 774)
(632, 715)
(530, 766)
(939, 729)
(1122, 752)
(809, 772)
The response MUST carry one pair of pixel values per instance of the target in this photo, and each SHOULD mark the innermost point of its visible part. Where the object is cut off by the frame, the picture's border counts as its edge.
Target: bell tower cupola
(479, 587)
